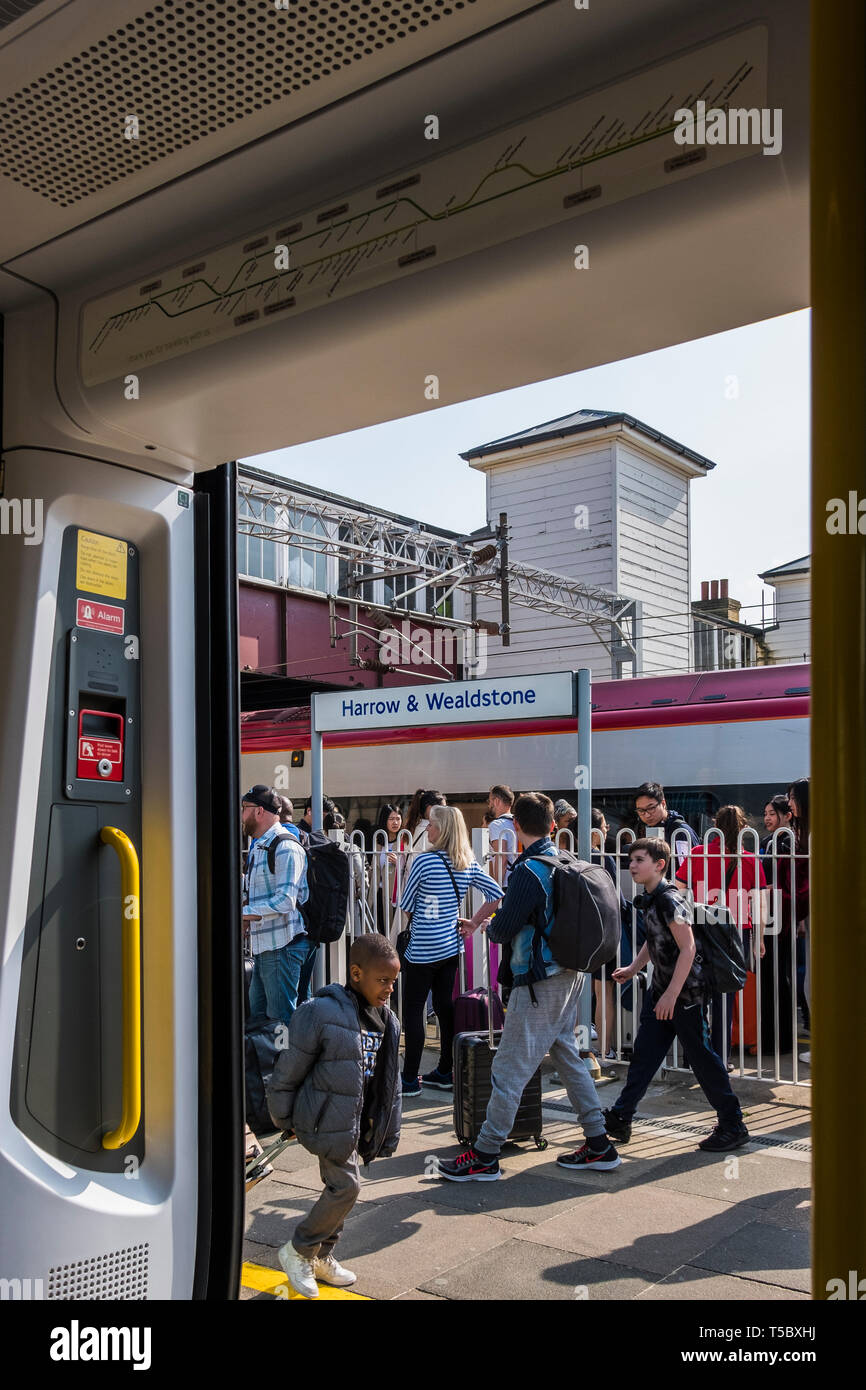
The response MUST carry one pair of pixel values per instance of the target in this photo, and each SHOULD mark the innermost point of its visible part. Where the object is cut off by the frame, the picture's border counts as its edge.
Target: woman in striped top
(437, 884)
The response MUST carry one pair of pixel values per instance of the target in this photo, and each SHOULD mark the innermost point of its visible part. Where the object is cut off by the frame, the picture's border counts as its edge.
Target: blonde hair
(453, 836)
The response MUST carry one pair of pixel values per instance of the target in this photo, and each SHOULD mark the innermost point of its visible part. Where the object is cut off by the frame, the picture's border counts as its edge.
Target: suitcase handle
(485, 963)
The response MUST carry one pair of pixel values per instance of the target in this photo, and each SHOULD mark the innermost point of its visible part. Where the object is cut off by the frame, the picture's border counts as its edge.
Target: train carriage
(711, 737)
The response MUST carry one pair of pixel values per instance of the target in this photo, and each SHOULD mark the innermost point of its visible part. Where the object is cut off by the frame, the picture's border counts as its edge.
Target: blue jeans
(307, 969)
(276, 974)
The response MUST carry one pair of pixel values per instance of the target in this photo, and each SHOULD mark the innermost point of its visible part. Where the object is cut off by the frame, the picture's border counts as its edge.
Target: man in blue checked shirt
(278, 936)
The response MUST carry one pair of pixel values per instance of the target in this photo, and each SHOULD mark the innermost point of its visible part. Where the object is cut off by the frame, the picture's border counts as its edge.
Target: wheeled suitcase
(474, 1009)
(473, 1063)
(263, 1038)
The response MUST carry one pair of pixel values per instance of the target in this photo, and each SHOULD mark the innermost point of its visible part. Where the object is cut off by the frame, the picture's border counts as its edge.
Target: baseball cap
(263, 796)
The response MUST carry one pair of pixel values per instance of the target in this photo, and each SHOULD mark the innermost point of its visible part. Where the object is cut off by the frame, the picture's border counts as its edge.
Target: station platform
(671, 1223)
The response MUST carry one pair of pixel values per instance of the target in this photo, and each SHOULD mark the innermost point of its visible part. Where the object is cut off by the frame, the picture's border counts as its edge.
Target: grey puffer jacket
(317, 1085)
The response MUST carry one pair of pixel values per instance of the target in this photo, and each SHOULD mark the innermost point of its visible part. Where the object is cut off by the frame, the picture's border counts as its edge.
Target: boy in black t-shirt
(675, 1006)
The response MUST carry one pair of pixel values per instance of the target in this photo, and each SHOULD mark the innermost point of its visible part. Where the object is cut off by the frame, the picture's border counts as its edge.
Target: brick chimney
(714, 601)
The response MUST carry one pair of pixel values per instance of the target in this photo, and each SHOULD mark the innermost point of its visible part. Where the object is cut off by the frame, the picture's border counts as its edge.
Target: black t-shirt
(373, 1025)
(662, 907)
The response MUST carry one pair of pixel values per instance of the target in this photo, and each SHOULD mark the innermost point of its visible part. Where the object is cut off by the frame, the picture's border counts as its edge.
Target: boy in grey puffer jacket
(337, 1085)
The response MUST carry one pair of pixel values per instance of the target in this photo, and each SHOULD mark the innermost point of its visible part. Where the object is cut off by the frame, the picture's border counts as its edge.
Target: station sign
(447, 702)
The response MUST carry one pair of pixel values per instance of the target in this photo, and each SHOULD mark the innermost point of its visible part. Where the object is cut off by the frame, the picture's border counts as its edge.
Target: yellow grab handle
(129, 879)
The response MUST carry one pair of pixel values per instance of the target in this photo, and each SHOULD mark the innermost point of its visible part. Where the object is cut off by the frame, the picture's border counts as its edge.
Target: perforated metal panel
(185, 69)
(119, 1274)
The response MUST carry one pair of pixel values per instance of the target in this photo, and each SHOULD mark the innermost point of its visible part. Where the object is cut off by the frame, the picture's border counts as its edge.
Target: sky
(740, 398)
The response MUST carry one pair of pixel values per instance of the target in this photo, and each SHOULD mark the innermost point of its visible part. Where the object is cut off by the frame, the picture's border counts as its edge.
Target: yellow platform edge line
(274, 1281)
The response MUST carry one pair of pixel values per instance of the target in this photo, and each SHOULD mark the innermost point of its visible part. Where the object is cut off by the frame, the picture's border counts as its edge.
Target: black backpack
(272, 850)
(325, 910)
(723, 964)
(586, 923)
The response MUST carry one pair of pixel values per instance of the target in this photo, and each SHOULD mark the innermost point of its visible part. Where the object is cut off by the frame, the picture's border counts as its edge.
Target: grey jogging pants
(530, 1032)
(320, 1229)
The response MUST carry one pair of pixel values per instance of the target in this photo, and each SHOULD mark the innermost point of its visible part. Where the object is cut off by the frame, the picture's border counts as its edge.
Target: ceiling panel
(100, 102)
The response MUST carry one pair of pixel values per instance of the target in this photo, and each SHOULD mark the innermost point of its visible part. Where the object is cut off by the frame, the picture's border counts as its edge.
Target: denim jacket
(525, 914)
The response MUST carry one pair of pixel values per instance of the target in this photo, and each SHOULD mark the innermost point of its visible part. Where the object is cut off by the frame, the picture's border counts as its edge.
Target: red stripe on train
(261, 740)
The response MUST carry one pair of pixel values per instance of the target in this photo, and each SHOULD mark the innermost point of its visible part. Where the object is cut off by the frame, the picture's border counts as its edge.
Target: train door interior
(139, 356)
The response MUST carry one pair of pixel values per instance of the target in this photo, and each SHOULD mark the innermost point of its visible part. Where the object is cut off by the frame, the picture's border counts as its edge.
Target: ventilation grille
(10, 10)
(121, 1274)
(186, 69)
(699, 1131)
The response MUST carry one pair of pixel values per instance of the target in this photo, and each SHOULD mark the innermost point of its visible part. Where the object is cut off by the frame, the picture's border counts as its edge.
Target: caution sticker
(101, 565)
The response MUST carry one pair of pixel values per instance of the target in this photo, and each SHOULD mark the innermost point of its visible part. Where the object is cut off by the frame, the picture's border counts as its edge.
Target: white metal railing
(763, 1014)
(760, 899)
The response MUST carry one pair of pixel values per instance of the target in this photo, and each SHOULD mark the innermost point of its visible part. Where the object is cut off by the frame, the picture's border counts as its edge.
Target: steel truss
(376, 546)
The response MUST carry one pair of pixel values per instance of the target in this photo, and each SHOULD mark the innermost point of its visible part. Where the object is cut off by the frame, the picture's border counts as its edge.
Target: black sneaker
(725, 1137)
(586, 1157)
(617, 1126)
(439, 1080)
(469, 1167)
(410, 1088)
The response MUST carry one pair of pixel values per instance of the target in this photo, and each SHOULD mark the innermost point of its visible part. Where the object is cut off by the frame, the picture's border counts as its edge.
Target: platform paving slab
(763, 1252)
(652, 1231)
(396, 1250)
(524, 1198)
(762, 1179)
(419, 1296)
(521, 1270)
(794, 1211)
(690, 1283)
(404, 1244)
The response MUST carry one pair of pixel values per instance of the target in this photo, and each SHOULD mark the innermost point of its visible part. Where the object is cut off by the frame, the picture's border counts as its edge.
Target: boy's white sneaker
(298, 1271)
(330, 1272)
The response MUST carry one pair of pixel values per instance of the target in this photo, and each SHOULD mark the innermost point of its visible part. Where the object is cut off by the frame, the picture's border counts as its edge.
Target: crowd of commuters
(339, 1083)
(763, 882)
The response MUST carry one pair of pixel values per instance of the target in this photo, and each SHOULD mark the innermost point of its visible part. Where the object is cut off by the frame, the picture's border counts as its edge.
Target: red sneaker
(586, 1157)
(469, 1167)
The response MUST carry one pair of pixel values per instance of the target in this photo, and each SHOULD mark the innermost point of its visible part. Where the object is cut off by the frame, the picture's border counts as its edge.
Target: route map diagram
(598, 149)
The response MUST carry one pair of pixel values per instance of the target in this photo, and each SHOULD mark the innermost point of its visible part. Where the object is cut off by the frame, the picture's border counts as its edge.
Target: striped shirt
(275, 896)
(429, 895)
